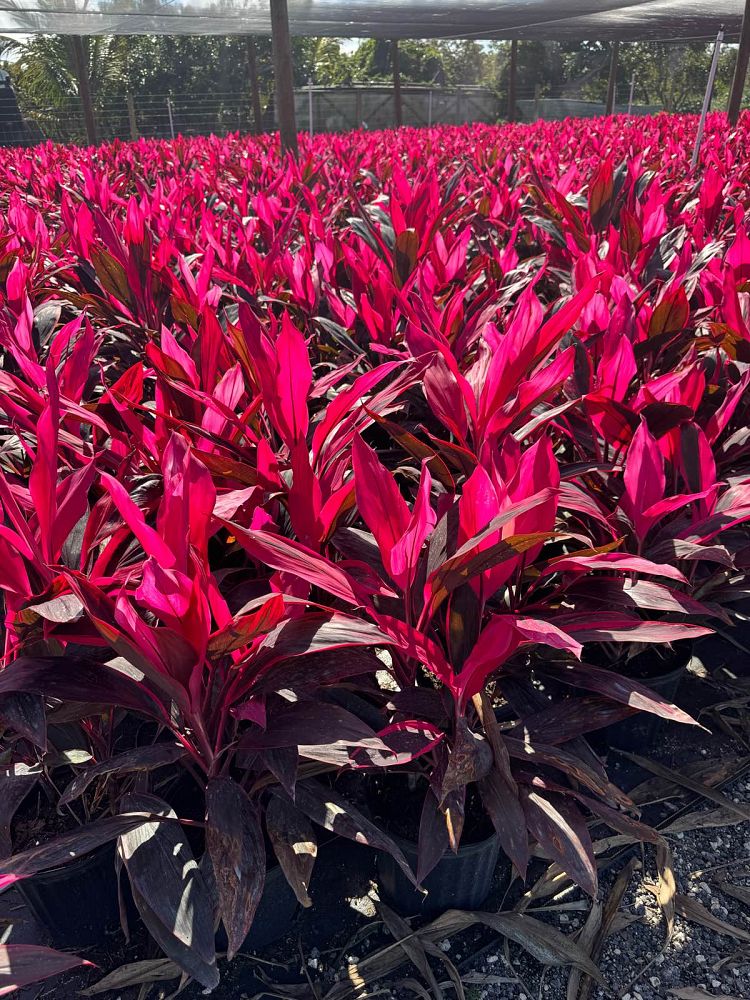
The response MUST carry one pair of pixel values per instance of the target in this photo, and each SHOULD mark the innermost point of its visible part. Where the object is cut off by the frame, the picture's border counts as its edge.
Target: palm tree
(52, 69)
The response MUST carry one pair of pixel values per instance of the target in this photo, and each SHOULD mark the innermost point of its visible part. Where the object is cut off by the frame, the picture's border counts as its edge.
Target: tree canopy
(213, 72)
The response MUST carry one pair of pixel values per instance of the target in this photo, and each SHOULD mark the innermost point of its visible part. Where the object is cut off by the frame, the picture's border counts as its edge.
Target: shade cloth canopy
(559, 20)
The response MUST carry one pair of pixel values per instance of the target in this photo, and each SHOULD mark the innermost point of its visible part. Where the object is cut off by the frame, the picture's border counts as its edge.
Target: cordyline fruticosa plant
(465, 405)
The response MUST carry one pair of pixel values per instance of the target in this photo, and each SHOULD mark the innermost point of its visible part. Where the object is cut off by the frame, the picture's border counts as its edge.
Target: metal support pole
(398, 112)
(79, 53)
(252, 70)
(612, 82)
(429, 107)
(171, 119)
(630, 95)
(310, 105)
(740, 68)
(512, 74)
(707, 98)
(131, 118)
(282, 74)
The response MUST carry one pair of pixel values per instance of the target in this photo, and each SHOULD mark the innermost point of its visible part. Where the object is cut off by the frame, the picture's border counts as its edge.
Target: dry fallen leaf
(691, 909)
(738, 808)
(586, 940)
(412, 946)
(696, 993)
(710, 772)
(149, 971)
(666, 888)
(546, 944)
(740, 892)
(706, 820)
(622, 921)
(609, 915)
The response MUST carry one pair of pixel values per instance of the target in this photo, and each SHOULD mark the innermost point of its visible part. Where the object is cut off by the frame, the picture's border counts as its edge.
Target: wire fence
(161, 116)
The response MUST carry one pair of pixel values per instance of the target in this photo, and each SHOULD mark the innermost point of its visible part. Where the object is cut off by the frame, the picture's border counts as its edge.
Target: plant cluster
(383, 461)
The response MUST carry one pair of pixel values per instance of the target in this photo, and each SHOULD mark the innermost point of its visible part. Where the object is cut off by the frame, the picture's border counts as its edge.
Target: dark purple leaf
(24, 714)
(238, 856)
(283, 763)
(433, 836)
(569, 718)
(294, 844)
(70, 846)
(169, 889)
(470, 759)
(561, 830)
(622, 689)
(307, 723)
(139, 759)
(328, 809)
(537, 753)
(13, 790)
(504, 809)
(71, 679)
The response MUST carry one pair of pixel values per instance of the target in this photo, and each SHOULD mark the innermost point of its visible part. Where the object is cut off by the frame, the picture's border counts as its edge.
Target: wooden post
(81, 70)
(252, 70)
(740, 68)
(282, 74)
(131, 117)
(398, 111)
(512, 74)
(612, 84)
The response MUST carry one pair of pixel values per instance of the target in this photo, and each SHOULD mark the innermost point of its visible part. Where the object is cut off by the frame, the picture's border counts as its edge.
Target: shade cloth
(560, 20)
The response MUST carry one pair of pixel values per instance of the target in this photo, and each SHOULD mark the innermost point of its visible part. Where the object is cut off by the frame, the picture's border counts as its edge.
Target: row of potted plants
(419, 458)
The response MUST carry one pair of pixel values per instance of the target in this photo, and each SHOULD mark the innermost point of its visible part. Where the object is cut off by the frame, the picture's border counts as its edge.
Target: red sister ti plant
(466, 406)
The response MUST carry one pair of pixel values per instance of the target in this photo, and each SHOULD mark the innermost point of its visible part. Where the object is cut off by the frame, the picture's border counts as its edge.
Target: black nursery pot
(640, 732)
(77, 902)
(459, 881)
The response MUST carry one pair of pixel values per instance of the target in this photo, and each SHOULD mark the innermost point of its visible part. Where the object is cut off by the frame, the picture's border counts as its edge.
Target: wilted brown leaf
(152, 970)
(608, 917)
(412, 946)
(696, 993)
(699, 787)
(706, 820)
(666, 888)
(586, 941)
(691, 909)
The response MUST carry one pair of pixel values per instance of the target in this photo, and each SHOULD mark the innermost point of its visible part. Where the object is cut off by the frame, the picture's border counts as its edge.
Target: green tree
(419, 61)
(464, 62)
(668, 74)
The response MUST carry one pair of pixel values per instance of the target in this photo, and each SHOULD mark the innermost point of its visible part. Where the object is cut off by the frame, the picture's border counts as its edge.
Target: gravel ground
(635, 962)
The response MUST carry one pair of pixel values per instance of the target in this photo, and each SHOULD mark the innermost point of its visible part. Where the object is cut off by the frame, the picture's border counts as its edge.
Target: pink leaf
(294, 381)
(290, 557)
(405, 552)
(380, 503)
(618, 561)
(644, 478)
(151, 541)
